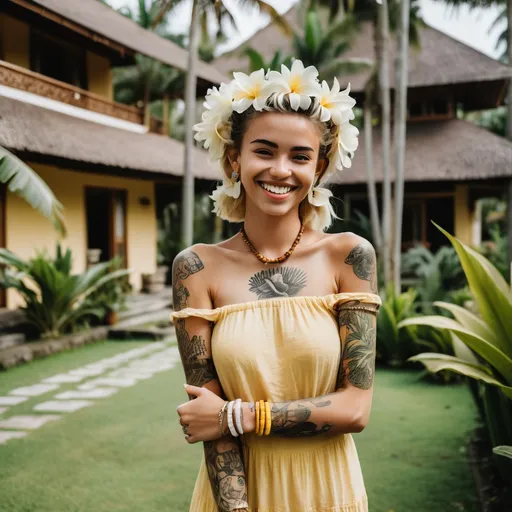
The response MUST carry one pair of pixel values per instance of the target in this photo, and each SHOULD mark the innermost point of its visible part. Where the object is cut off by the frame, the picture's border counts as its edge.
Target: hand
(201, 415)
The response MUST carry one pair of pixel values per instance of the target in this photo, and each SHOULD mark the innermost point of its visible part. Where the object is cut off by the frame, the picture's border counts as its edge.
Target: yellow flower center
(295, 84)
(254, 92)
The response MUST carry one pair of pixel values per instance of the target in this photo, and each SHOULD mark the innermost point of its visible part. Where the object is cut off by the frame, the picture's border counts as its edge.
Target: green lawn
(127, 452)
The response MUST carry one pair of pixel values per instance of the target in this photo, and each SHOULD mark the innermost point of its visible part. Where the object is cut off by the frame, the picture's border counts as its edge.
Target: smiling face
(278, 160)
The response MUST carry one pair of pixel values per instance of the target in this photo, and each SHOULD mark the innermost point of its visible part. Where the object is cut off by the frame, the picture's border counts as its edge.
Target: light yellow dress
(285, 349)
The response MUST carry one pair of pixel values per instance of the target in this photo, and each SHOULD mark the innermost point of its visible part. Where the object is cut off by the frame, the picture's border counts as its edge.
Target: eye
(265, 152)
(303, 158)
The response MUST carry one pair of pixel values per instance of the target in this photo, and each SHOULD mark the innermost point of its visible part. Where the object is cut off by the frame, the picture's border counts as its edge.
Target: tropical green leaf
(491, 292)
(25, 182)
(506, 451)
(461, 350)
(346, 67)
(313, 33)
(437, 362)
(256, 59)
(489, 352)
(471, 321)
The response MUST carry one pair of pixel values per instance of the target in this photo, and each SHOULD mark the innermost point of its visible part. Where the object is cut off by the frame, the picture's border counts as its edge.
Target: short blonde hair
(233, 209)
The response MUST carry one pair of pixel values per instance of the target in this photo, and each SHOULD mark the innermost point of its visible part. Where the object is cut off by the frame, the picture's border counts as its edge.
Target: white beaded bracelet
(238, 415)
(232, 429)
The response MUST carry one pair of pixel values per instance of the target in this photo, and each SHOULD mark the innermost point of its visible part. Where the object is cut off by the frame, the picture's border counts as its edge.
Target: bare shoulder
(357, 262)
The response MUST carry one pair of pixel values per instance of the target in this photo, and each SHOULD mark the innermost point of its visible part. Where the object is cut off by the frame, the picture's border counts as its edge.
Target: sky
(470, 27)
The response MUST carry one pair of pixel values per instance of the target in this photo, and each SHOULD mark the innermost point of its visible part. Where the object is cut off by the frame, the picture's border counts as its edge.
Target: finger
(193, 390)
(182, 422)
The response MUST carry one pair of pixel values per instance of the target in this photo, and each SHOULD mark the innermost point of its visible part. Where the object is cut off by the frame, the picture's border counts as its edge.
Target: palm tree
(221, 12)
(322, 47)
(503, 37)
(257, 60)
(25, 182)
(400, 119)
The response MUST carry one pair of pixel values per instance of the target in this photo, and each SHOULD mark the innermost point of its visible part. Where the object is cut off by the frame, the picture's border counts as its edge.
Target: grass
(127, 452)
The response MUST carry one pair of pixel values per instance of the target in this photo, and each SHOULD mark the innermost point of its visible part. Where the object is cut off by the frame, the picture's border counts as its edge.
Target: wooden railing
(29, 81)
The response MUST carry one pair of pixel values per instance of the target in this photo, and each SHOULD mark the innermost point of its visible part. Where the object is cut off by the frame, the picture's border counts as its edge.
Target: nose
(280, 169)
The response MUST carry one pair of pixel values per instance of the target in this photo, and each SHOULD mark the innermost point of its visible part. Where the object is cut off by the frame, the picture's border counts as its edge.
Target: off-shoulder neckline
(328, 300)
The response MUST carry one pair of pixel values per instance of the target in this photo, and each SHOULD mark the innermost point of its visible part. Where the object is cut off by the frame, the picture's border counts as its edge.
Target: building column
(463, 217)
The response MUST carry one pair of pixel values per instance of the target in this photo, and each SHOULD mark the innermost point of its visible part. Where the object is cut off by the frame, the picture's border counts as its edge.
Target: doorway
(106, 224)
(3, 197)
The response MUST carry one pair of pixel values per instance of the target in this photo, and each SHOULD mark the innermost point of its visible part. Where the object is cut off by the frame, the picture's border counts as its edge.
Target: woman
(279, 319)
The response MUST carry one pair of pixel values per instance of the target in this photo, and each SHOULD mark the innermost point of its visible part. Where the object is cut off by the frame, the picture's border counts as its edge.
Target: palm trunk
(165, 115)
(372, 191)
(401, 72)
(382, 40)
(187, 220)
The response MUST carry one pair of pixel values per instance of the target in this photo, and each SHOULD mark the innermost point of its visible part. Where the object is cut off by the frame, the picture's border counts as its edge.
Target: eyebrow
(275, 146)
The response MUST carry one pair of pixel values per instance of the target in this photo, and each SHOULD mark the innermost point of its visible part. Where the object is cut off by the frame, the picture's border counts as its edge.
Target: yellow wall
(14, 41)
(463, 214)
(27, 230)
(99, 75)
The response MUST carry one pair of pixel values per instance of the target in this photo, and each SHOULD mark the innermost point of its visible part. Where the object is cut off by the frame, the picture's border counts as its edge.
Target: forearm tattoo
(363, 261)
(223, 456)
(293, 419)
(227, 473)
(358, 335)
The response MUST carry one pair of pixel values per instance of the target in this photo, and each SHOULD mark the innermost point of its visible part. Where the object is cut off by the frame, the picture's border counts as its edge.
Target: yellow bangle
(262, 418)
(257, 405)
(268, 418)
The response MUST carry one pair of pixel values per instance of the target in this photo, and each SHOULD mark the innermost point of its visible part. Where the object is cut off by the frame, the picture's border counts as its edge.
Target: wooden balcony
(29, 81)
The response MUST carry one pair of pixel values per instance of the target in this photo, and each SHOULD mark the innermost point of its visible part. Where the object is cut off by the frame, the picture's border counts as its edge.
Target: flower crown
(299, 85)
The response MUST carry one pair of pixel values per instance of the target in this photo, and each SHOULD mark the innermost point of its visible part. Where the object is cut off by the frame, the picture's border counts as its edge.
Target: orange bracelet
(257, 405)
(268, 419)
(262, 418)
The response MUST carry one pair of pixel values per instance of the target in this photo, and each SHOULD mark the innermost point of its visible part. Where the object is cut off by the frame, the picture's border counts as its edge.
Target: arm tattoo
(227, 473)
(357, 330)
(292, 419)
(199, 368)
(362, 259)
(223, 456)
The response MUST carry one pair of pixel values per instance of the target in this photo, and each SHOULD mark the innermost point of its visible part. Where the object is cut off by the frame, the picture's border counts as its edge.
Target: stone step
(11, 340)
(144, 308)
(140, 333)
(12, 319)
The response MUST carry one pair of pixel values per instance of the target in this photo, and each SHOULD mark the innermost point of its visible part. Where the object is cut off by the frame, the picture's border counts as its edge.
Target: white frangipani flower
(347, 144)
(299, 83)
(219, 102)
(334, 102)
(212, 131)
(319, 196)
(250, 90)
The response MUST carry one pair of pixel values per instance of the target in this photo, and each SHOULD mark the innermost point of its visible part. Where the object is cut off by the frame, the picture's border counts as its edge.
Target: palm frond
(25, 182)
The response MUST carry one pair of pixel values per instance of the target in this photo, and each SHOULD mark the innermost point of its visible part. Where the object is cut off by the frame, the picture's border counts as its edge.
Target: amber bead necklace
(282, 258)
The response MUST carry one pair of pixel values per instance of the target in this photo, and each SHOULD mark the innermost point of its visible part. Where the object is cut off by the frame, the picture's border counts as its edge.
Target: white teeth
(274, 189)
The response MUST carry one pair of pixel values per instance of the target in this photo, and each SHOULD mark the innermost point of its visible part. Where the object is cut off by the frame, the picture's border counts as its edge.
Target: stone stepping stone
(28, 422)
(63, 405)
(93, 393)
(12, 400)
(126, 374)
(105, 381)
(87, 372)
(36, 390)
(6, 435)
(63, 379)
(3, 409)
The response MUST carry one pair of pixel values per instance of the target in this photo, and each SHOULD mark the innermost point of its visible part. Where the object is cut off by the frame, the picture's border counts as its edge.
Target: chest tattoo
(277, 282)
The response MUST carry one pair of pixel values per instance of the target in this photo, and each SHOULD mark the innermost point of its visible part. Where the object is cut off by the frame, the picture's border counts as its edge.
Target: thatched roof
(440, 61)
(40, 131)
(452, 150)
(103, 20)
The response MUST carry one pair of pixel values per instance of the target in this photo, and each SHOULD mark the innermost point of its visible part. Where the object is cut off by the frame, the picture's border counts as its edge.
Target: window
(58, 59)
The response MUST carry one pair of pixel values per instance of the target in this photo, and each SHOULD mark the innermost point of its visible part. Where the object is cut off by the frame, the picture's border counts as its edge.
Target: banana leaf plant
(25, 182)
(55, 300)
(487, 335)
